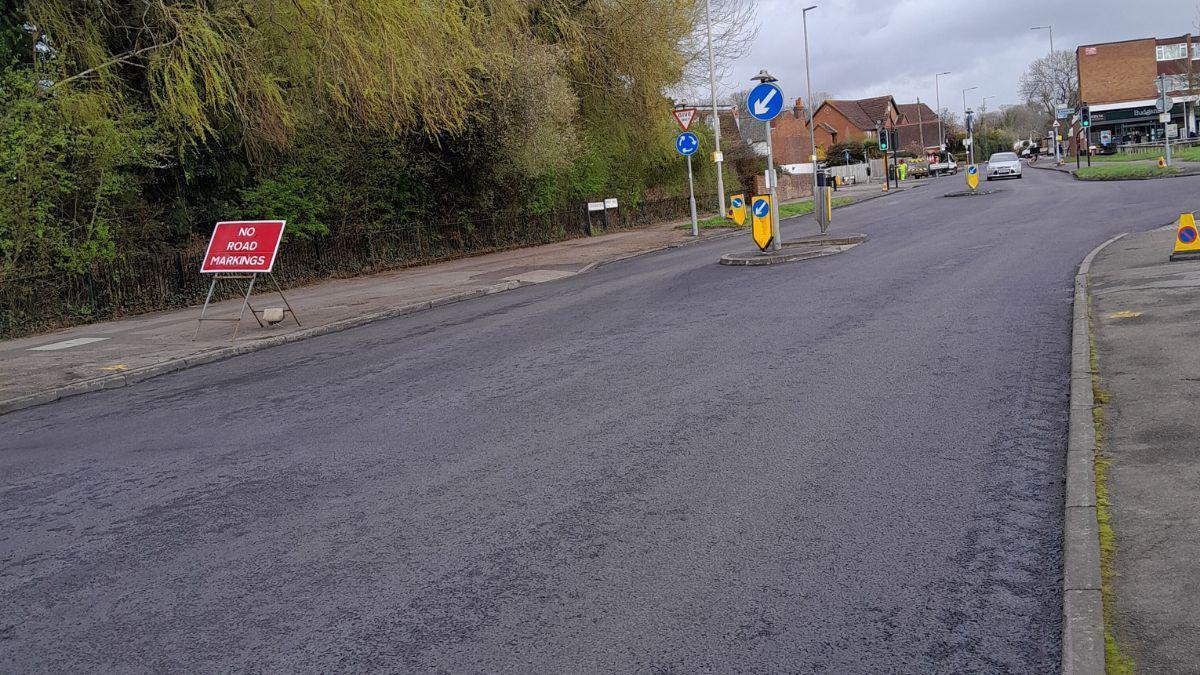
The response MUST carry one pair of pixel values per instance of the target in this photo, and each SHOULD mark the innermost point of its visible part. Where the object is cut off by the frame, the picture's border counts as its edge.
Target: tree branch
(122, 58)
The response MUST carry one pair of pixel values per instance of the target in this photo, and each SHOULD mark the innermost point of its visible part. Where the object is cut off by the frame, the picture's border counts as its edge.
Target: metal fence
(141, 282)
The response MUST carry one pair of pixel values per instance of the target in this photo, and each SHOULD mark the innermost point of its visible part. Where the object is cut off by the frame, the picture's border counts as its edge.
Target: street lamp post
(812, 140)
(937, 87)
(964, 95)
(1050, 62)
(1051, 29)
(712, 88)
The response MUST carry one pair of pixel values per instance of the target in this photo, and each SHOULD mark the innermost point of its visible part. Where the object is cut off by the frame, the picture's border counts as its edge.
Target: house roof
(876, 108)
(862, 113)
(915, 113)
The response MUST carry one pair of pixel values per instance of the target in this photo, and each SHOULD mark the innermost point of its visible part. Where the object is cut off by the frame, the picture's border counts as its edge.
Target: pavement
(42, 368)
(1144, 310)
(853, 464)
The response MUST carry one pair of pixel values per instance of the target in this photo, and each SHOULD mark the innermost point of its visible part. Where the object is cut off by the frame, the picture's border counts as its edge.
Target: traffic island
(972, 193)
(799, 249)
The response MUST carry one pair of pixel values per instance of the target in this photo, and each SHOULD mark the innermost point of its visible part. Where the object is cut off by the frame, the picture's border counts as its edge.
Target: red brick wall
(845, 130)
(1116, 72)
(789, 135)
(791, 186)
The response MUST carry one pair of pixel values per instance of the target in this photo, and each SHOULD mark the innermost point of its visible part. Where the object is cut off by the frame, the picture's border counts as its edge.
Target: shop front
(1136, 122)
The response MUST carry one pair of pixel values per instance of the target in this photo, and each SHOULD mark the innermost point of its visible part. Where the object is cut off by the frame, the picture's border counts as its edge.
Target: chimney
(798, 109)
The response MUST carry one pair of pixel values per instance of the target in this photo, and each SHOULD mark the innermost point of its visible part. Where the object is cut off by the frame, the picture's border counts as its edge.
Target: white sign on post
(610, 203)
(595, 206)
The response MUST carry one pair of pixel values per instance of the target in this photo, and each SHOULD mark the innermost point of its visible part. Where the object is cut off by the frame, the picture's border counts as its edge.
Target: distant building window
(1171, 52)
(1173, 83)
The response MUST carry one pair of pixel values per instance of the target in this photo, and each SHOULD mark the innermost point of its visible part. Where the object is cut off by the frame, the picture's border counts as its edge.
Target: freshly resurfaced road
(847, 465)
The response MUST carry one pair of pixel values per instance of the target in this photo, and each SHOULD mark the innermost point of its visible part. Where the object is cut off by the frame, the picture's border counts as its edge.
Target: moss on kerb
(1115, 661)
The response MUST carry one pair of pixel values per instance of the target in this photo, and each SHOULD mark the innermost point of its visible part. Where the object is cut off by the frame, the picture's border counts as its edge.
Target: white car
(1003, 165)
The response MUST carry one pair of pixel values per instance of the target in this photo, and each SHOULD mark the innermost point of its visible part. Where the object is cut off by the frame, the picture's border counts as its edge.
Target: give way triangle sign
(684, 116)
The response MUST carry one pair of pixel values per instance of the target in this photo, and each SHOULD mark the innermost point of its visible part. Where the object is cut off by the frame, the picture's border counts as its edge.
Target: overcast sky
(864, 48)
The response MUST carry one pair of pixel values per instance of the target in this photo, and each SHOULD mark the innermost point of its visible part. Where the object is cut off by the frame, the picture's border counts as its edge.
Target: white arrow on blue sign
(761, 207)
(737, 202)
(765, 101)
(687, 143)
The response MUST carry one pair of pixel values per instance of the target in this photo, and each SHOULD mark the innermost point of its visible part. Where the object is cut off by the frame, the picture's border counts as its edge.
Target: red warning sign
(243, 246)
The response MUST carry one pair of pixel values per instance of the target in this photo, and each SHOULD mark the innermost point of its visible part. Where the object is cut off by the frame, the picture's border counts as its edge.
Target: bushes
(73, 178)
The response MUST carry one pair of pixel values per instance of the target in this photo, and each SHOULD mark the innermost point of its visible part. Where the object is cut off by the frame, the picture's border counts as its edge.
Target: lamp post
(1050, 62)
(812, 140)
(764, 77)
(964, 96)
(937, 87)
(808, 87)
(712, 88)
(1051, 29)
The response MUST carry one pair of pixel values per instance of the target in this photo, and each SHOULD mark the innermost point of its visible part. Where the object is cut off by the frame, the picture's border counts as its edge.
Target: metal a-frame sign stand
(237, 251)
(253, 277)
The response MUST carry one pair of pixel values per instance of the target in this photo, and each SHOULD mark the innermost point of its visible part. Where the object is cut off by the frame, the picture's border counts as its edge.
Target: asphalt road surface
(847, 465)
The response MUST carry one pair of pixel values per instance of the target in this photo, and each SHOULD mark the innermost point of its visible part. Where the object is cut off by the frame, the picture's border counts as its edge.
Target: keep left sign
(243, 246)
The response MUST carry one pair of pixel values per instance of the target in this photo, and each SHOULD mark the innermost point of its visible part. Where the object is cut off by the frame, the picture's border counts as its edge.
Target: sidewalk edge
(1083, 607)
(221, 353)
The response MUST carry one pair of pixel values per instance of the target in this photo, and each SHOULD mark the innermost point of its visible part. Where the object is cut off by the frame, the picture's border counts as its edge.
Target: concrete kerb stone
(1083, 609)
(1083, 632)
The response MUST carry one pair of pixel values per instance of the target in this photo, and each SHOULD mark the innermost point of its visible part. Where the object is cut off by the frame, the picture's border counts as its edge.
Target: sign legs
(237, 322)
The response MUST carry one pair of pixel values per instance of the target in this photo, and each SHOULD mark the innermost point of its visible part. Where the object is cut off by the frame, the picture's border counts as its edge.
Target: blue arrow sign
(737, 202)
(765, 101)
(761, 207)
(687, 144)
(972, 170)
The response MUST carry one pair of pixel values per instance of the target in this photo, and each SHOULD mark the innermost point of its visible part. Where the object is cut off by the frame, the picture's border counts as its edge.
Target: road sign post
(1164, 104)
(764, 103)
(237, 251)
(972, 176)
(1054, 140)
(687, 144)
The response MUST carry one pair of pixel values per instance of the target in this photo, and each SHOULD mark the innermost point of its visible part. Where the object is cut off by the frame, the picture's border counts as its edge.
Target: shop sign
(1146, 112)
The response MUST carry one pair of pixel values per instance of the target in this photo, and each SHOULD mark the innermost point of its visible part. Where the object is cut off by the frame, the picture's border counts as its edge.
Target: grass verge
(1125, 171)
(1191, 154)
(1115, 661)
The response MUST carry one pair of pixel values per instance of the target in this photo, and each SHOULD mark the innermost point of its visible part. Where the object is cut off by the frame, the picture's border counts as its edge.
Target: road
(847, 465)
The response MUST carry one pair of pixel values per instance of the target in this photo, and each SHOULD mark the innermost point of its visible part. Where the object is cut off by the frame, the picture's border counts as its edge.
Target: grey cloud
(869, 47)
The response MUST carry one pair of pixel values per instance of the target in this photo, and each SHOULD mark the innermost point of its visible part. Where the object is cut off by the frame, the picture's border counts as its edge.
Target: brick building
(1118, 81)
(789, 135)
(917, 127)
(836, 121)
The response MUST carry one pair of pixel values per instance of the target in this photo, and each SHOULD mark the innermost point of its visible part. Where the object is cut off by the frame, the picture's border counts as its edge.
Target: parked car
(1003, 165)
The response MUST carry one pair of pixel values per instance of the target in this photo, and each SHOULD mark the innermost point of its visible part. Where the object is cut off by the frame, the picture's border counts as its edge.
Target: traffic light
(883, 140)
(1085, 116)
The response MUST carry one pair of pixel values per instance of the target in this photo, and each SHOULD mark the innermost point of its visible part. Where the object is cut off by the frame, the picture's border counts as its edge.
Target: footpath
(44, 368)
(1146, 337)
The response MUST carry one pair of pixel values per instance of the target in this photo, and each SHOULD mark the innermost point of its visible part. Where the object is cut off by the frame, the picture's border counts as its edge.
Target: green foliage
(70, 180)
(154, 119)
(860, 151)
